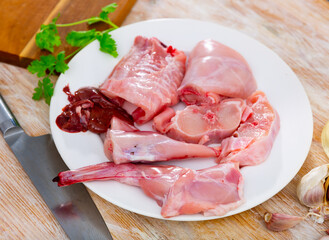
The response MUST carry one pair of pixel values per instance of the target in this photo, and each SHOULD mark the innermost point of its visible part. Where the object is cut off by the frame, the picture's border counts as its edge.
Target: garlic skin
(325, 138)
(313, 197)
(279, 222)
(311, 190)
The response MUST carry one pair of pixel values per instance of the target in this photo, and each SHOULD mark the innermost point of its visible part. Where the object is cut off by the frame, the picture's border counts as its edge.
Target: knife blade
(72, 206)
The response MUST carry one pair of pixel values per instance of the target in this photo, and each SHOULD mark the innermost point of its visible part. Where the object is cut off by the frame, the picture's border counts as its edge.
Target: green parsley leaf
(104, 16)
(48, 63)
(105, 13)
(41, 66)
(38, 92)
(81, 38)
(61, 65)
(48, 89)
(48, 36)
(107, 44)
(110, 8)
(45, 89)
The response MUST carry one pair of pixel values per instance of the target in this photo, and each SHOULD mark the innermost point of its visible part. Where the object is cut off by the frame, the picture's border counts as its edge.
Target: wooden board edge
(23, 60)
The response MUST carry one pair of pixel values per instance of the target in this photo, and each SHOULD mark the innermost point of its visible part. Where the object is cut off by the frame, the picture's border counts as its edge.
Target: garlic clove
(314, 196)
(279, 222)
(311, 189)
(325, 138)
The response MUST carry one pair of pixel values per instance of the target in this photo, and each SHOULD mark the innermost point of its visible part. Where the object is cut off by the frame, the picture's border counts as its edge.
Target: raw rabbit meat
(144, 146)
(213, 71)
(116, 124)
(211, 191)
(124, 143)
(202, 124)
(147, 77)
(252, 142)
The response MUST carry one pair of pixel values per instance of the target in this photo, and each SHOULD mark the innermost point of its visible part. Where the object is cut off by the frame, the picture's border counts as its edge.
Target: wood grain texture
(20, 20)
(13, 15)
(297, 31)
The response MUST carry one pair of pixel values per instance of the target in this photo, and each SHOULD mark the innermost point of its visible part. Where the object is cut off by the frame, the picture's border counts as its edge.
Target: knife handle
(7, 118)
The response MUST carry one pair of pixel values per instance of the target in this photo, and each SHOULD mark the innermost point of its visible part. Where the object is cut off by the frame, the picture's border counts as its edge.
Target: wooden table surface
(298, 31)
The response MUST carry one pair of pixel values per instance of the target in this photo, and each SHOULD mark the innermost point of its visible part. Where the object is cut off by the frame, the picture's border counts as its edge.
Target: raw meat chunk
(116, 124)
(252, 142)
(147, 77)
(125, 143)
(211, 191)
(202, 124)
(151, 147)
(213, 71)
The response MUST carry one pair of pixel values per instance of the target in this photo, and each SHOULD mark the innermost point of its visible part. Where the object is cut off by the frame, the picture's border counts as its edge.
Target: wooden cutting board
(20, 20)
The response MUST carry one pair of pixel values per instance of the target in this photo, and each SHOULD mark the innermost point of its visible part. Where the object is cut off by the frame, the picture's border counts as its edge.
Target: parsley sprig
(48, 38)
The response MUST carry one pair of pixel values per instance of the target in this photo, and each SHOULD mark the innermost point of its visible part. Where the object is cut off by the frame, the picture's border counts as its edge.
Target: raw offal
(212, 191)
(89, 110)
(215, 71)
(202, 124)
(252, 142)
(147, 77)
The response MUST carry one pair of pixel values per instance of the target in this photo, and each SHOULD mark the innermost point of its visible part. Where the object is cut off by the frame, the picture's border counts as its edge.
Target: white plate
(90, 67)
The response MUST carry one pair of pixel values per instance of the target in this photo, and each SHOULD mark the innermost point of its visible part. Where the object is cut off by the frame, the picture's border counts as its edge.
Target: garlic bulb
(311, 190)
(325, 138)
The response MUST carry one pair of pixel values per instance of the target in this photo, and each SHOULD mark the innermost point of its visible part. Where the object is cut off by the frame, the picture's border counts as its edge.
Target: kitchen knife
(72, 206)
